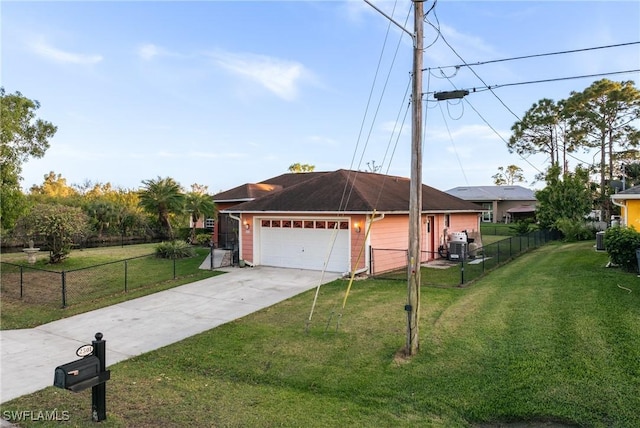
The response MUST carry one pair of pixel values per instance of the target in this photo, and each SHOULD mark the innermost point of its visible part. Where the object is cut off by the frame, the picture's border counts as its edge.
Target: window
(208, 223)
(487, 214)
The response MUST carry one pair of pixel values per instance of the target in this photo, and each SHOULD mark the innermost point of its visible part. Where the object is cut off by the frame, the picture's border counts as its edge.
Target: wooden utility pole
(415, 197)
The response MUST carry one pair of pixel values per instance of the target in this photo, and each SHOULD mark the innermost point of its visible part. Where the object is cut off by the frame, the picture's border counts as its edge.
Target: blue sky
(223, 93)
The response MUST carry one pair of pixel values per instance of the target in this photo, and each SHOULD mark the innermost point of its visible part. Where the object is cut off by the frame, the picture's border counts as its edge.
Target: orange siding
(359, 249)
(390, 241)
(460, 222)
(247, 238)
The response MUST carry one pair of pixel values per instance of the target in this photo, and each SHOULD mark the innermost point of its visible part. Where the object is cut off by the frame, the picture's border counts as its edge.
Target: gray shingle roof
(493, 193)
(630, 193)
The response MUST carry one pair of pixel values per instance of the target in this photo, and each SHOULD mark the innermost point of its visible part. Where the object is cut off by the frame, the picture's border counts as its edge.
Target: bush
(574, 230)
(523, 227)
(621, 244)
(174, 250)
(203, 239)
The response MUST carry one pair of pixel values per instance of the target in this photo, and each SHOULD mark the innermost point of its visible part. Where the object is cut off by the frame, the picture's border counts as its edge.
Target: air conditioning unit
(457, 250)
(600, 241)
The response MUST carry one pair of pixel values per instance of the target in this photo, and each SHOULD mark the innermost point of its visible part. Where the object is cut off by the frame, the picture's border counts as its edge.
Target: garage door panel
(305, 248)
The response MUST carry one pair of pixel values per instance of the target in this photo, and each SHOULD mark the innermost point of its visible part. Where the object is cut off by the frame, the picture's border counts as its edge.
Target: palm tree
(162, 196)
(198, 205)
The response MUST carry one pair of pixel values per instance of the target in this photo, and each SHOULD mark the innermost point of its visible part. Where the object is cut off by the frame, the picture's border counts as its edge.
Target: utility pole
(415, 197)
(415, 185)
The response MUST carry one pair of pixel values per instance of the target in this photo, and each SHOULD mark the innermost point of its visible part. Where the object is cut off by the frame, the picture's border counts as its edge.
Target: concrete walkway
(30, 356)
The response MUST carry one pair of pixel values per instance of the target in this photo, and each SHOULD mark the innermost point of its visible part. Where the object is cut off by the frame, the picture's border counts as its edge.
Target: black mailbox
(80, 374)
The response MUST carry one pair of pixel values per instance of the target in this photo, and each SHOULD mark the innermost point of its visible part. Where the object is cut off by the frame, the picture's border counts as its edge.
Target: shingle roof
(630, 193)
(493, 193)
(353, 191)
(251, 191)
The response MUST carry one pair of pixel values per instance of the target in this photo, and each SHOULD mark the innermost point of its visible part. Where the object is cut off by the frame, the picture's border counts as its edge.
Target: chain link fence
(470, 266)
(36, 286)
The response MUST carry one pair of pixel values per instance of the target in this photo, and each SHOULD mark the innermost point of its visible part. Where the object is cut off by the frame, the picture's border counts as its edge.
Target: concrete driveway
(30, 356)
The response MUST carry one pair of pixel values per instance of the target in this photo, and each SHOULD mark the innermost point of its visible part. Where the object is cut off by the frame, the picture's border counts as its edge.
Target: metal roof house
(501, 204)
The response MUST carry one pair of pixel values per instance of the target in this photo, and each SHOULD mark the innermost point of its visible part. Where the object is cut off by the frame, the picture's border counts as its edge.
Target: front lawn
(94, 278)
(551, 336)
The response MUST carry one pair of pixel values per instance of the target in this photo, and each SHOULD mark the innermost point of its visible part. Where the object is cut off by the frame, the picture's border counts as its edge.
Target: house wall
(390, 241)
(460, 222)
(359, 251)
(633, 214)
(246, 238)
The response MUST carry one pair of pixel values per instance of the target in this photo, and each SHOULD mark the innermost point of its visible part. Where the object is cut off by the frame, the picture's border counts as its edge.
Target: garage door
(305, 244)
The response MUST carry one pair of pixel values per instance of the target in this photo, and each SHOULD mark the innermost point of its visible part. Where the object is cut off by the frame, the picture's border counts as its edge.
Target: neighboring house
(501, 204)
(340, 221)
(629, 202)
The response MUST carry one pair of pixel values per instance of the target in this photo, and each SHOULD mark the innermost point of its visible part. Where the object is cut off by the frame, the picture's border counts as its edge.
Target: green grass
(498, 229)
(551, 336)
(94, 278)
(79, 259)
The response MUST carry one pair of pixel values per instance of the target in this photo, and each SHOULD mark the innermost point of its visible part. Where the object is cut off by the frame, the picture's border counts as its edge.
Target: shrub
(574, 230)
(523, 227)
(203, 239)
(621, 244)
(174, 250)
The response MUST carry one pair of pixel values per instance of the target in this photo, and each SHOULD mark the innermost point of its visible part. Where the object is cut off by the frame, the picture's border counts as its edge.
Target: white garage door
(305, 244)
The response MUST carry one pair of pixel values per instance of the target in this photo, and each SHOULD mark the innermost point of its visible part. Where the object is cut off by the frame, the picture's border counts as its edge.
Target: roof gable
(353, 191)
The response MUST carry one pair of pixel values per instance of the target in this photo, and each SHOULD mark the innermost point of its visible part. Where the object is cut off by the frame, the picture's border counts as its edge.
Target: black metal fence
(54, 288)
(470, 266)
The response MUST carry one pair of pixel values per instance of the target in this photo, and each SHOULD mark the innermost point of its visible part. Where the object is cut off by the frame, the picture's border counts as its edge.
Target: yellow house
(629, 203)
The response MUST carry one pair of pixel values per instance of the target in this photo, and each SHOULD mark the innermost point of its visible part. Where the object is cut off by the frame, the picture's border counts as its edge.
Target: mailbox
(80, 374)
(87, 372)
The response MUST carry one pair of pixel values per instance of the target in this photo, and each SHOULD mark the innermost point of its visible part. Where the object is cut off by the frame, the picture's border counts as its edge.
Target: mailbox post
(87, 372)
(99, 391)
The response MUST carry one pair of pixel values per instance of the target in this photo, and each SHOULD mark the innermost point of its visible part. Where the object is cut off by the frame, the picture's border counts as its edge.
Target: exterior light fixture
(246, 225)
(356, 227)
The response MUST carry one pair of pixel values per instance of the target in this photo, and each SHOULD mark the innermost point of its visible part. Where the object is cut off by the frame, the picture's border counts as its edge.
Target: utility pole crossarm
(389, 18)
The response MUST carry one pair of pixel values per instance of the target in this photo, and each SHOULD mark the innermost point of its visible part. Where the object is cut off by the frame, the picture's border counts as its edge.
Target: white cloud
(280, 77)
(148, 51)
(45, 50)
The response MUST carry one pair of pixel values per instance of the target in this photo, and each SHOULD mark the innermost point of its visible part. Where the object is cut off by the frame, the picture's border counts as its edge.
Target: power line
(534, 56)
(472, 70)
(557, 79)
